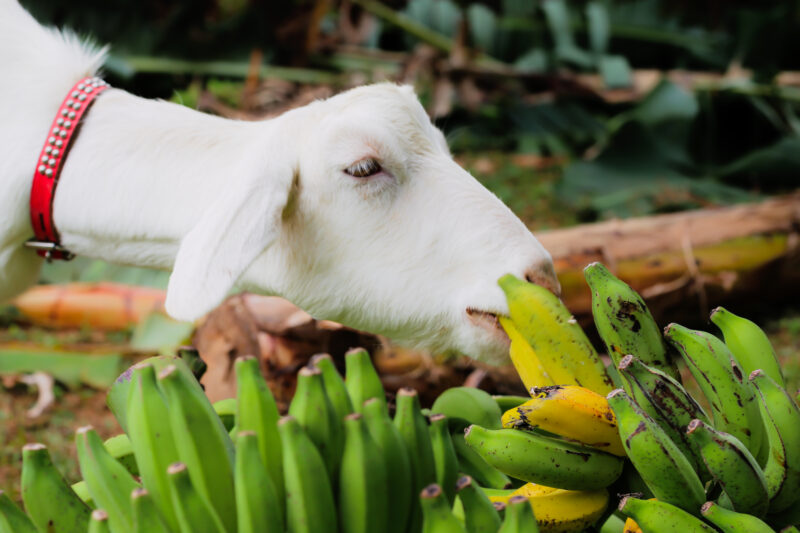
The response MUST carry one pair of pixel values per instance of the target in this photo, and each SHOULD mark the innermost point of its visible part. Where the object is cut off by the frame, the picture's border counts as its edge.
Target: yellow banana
(575, 413)
(631, 526)
(559, 510)
(555, 336)
(528, 366)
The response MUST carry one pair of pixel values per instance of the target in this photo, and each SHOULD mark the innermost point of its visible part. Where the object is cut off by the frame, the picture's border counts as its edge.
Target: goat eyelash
(364, 168)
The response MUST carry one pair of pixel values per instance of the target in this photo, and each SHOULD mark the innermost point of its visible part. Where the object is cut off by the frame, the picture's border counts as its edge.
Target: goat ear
(229, 236)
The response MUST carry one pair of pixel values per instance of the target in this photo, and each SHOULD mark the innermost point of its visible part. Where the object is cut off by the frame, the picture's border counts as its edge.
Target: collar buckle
(49, 250)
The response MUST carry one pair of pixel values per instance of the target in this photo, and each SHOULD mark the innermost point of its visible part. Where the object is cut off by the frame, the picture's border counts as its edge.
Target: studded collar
(62, 132)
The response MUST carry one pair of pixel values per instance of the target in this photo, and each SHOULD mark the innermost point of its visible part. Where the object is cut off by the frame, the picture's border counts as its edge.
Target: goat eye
(364, 168)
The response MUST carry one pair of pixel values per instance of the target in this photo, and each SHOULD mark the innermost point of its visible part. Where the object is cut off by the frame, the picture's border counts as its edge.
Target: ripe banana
(572, 412)
(110, 484)
(396, 463)
(99, 522)
(256, 411)
(363, 500)
(624, 322)
(258, 508)
(468, 405)
(436, 514)
(667, 402)
(544, 460)
(558, 341)
(444, 456)
(732, 522)
(475, 466)
(413, 429)
(732, 466)
(361, 378)
(480, 516)
(151, 438)
(653, 515)
(782, 418)
(49, 501)
(662, 466)
(631, 526)
(146, 516)
(748, 343)
(335, 387)
(314, 411)
(201, 440)
(519, 517)
(563, 511)
(194, 513)
(309, 499)
(528, 366)
(12, 519)
(733, 403)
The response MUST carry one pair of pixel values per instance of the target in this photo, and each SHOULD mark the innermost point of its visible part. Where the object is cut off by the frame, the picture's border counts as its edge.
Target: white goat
(411, 249)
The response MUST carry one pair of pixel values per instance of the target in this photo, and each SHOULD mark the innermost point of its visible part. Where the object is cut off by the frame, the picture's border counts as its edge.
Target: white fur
(265, 205)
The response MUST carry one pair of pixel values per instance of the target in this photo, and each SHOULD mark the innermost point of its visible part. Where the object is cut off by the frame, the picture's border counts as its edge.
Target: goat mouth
(489, 321)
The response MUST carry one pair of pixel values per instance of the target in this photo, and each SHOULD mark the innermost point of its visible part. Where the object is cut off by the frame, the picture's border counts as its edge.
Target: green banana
(782, 418)
(654, 515)
(519, 517)
(732, 466)
(613, 524)
(312, 408)
(558, 341)
(480, 516)
(309, 499)
(226, 410)
(544, 460)
(121, 449)
(50, 502)
(99, 522)
(504, 403)
(667, 402)
(732, 522)
(110, 483)
(468, 405)
(444, 456)
(146, 516)
(413, 430)
(662, 466)
(790, 529)
(256, 411)
(335, 387)
(151, 438)
(748, 343)
(258, 508)
(361, 378)
(117, 397)
(82, 491)
(475, 466)
(624, 322)
(733, 403)
(12, 519)
(436, 514)
(396, 463)
(195, 514)
(201, 440)
(363, 499)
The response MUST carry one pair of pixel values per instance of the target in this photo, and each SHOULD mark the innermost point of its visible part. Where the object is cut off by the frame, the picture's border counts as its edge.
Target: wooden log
(688, 261)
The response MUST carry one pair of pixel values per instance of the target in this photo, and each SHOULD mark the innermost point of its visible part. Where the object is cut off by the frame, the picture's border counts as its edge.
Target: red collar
(51, 159)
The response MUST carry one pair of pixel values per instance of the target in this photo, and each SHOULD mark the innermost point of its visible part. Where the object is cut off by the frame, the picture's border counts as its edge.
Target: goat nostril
(545, 278)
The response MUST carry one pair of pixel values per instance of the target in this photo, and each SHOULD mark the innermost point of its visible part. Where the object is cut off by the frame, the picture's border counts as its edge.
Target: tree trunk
(687, 262)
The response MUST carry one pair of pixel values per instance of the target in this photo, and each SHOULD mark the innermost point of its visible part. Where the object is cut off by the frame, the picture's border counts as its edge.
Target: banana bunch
(735, 468)
(187, 466)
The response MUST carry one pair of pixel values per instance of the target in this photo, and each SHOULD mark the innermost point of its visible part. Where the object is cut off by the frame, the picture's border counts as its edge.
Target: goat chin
(283, 206)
